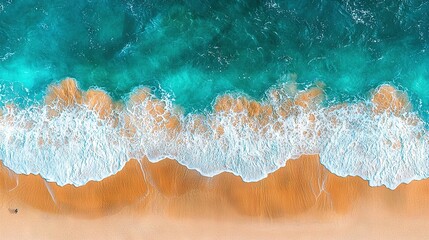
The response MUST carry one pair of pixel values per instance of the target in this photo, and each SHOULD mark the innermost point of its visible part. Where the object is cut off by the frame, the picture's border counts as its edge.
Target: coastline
(214, 120)
(365, 139)
(174, 202)
(166, 200)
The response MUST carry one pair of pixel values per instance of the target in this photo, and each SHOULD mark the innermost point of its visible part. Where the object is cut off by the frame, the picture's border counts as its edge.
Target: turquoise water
(191, 52)
(197, 50)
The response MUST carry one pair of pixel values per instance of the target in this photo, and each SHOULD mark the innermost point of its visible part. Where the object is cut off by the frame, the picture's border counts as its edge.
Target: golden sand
(387, 98)
(65, 93)
(302, 186)
(165, 200)
(101, 198)
(302, 199)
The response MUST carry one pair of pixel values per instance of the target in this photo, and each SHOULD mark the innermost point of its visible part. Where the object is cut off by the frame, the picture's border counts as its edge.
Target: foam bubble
(78, 137)
(384, 149)
(74, 146)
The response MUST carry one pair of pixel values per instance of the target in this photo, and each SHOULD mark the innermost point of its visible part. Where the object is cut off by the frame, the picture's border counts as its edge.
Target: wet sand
(165, 200)
(302, 200)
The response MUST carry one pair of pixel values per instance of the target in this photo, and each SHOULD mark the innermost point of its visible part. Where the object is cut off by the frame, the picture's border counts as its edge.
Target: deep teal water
(197, 50)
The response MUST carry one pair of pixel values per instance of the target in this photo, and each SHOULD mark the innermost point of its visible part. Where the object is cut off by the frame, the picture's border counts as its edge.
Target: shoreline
(143, 182)
(106, 135)
(177, 202)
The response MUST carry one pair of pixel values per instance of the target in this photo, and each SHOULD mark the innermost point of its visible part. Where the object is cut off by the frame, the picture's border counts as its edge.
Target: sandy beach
(212, 120)
(302, 201)
(165, 200)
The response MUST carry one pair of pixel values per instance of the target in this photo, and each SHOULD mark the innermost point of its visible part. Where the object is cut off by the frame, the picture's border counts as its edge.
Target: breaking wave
(76, 136)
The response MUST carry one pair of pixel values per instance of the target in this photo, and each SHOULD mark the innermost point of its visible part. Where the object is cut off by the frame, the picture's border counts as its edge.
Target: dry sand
(172, 202)
(165, 200)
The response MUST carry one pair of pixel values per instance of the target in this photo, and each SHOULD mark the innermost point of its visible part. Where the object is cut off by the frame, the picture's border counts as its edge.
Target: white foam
(72, 148)
(384, 149)
(76, 146)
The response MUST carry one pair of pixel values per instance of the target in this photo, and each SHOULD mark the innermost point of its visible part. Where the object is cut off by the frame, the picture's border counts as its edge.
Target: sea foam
(69, 141)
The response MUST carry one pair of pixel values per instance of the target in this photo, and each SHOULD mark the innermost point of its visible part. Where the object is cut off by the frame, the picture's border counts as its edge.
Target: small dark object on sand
(13, 210)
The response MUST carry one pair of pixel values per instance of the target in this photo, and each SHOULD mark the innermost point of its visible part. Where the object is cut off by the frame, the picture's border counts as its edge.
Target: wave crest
(81, 136)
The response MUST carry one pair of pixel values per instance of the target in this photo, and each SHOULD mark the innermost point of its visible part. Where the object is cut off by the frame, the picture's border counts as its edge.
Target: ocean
(219, 86)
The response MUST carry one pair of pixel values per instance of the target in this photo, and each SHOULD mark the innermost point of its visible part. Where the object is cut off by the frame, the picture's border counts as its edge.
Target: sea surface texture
(219, 86)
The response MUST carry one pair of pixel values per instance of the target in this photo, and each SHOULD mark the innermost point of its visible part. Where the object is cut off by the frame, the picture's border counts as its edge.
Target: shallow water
(197, 50)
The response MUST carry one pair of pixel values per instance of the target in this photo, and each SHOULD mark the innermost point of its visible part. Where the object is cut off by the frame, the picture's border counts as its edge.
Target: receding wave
(77, 136)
